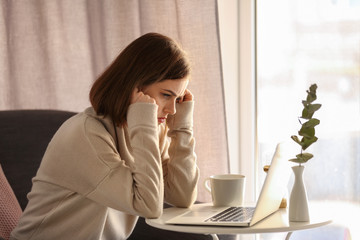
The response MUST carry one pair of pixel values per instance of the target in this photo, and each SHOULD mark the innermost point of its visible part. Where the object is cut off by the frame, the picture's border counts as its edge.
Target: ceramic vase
(298, 205)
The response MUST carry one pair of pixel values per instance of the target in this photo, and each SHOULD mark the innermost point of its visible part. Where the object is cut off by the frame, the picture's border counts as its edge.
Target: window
(298, 43)
(301, 42)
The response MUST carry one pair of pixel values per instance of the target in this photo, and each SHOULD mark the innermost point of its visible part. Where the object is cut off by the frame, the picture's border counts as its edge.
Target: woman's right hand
(139, 96)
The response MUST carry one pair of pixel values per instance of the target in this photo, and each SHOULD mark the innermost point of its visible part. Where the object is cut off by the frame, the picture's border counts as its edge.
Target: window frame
(237, 23)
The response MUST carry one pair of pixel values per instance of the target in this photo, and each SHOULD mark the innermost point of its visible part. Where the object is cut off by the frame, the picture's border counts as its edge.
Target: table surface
(277, 222)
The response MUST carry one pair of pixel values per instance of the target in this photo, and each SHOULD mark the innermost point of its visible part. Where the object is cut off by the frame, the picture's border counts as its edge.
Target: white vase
(298, 206)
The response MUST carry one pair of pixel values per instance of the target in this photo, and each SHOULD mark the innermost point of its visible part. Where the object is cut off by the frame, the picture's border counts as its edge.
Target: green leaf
(311, 123)
(296, 160)
(306, 114)
(308, 128)
(313, 88)
(310, 97)
(311, 93)
(306, 142)
(305, 103)
(296, 139)
(308, 132)
(309, 110)
(314, 107)
(304, 156)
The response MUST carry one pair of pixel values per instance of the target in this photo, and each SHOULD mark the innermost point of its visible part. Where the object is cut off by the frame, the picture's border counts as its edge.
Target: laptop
(269, 200)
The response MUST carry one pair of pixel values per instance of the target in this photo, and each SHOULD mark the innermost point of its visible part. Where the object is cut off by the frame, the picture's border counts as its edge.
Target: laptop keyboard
(233, 214)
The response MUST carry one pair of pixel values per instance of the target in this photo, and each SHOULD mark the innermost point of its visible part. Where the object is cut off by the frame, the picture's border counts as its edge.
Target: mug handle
(206, 185)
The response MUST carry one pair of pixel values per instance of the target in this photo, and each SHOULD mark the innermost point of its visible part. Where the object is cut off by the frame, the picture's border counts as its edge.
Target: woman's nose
(170, 108)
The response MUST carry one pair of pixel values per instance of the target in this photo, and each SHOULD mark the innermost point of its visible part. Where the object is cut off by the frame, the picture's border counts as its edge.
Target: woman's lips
(161, 119)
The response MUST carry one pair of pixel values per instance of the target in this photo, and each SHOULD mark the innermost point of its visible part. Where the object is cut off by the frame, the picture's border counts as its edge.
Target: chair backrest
(24, 136)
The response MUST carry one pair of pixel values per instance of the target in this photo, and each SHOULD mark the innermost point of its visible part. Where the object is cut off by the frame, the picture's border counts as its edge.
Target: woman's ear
(138, 88)
(142, 88)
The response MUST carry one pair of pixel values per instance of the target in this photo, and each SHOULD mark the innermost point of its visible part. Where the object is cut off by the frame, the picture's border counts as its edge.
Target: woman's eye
(166, 95)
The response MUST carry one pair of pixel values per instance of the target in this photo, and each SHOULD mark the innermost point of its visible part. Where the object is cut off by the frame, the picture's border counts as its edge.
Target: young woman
(122, 157)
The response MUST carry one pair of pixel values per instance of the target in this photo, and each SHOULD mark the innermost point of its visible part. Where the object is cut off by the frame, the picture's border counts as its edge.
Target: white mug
(226, 189)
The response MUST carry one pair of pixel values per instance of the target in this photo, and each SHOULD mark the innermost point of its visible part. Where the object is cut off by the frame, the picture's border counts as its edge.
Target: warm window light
(308, 42)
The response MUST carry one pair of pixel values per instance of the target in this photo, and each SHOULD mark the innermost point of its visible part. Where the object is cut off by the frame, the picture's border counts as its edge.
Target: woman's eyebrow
(171, 92)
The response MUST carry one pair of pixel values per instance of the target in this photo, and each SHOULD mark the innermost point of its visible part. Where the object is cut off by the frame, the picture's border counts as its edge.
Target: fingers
(188, 96)
(139, 96)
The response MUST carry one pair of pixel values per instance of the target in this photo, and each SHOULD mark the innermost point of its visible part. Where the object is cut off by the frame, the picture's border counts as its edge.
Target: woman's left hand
(188, 96)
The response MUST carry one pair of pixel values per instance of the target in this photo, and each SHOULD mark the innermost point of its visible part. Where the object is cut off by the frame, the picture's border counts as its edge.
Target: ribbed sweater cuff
(183, 117)
(144, 114)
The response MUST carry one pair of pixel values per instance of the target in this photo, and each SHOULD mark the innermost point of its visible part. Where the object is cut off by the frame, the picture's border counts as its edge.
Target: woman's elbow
(153, 213)
(151, 209)
(185, 201)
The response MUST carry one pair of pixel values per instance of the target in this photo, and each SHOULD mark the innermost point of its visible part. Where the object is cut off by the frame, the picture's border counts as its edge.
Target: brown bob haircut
(149, 59)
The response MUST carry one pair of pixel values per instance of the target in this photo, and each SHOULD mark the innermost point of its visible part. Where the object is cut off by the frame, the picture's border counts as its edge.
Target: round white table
(277, 222)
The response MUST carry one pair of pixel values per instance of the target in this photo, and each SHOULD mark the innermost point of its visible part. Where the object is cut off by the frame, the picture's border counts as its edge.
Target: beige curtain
(52, 50)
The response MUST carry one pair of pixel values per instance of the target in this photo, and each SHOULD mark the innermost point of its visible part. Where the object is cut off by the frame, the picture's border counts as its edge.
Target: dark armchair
(24, 136)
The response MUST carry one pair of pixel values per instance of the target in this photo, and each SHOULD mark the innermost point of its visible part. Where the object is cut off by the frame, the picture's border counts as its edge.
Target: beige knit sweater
(87, 189)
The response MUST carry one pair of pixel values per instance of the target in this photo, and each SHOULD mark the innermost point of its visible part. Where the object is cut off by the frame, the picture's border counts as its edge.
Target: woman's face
(166, 94)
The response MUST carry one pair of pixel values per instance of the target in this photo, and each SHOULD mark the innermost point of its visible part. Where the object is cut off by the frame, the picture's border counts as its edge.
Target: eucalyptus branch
(307, 130)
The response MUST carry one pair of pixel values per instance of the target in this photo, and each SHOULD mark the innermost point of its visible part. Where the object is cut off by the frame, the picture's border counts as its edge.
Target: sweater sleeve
(134, 186)
(181, 173)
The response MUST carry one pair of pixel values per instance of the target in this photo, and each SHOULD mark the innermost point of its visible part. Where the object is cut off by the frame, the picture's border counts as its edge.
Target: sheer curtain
(52, 51)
